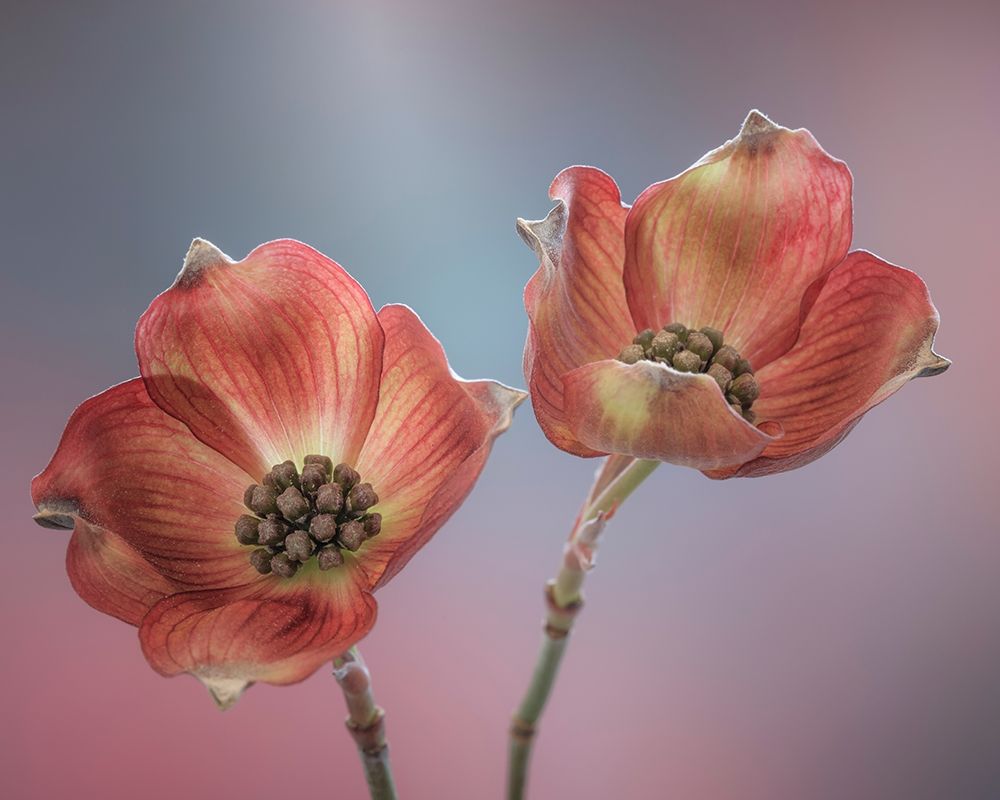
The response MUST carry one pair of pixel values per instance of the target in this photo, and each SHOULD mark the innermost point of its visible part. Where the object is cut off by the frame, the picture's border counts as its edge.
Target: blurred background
(825, 634)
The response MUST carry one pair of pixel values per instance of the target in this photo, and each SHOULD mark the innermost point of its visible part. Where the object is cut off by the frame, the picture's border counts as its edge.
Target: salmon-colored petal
(735, 241)
(575, 301)
(112, 576)
(271, 358)
(648, 410)
(430, 439)
(277, 630)
(125, 466)
(871, 330)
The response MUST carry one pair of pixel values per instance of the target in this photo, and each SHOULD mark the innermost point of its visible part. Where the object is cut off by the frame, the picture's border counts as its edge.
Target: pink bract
(245, 365)
(752, 240)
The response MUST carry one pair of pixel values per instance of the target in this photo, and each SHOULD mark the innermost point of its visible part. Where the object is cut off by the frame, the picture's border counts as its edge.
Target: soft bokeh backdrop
(830, 633)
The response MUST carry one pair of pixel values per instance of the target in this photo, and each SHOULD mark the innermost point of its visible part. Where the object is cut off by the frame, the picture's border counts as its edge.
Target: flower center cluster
(699, 351)
(319, 512)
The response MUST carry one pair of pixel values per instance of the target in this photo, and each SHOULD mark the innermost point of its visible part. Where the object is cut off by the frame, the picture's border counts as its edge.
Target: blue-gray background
(827, 634)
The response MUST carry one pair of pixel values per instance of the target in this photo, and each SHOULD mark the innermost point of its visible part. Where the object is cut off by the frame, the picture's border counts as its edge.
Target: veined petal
(429, 442)
(266, 359)
(276, 631)
(127, 467)
(112, 576)
(735, 241)
(575, 301)
(870, 331)
(648, 410)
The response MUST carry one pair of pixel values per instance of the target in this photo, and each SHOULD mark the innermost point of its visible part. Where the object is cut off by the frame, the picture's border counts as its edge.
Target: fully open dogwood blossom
(284, 453)
(722, 321)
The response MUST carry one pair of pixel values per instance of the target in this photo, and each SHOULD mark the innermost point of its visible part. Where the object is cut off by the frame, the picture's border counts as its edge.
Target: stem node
(366, 723)
(617, 479)
(520, 730)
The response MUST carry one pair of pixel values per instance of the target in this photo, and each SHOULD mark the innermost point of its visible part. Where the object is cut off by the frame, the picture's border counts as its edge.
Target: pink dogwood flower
(722, 322)
(284, 454)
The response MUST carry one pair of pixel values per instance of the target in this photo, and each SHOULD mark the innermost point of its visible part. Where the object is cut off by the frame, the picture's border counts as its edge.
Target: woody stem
(617, 479)
(366, 723)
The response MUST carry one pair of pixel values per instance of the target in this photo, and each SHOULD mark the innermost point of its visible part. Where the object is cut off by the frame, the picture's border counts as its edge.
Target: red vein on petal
(753, 166)
(759, 258)
(713, 205)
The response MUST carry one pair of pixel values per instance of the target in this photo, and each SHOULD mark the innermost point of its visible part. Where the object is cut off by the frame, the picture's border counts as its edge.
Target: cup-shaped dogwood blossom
(721, 322)
(284, 454)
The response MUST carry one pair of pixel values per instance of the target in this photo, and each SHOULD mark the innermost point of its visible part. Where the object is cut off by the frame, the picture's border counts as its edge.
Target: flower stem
(366, 723)
(615, 481)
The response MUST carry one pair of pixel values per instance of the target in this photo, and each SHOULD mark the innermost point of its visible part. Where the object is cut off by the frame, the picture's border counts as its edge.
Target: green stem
(618, 478)
(366, 723)
(522, 729)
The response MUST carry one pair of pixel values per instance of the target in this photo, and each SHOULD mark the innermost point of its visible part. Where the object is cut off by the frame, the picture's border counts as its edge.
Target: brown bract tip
(757, 134)
(225, 691)
(507, 399)
(927, 363)
(545, 236)
(56, 514)
(201, 256)
(757, 123)
(935, 366)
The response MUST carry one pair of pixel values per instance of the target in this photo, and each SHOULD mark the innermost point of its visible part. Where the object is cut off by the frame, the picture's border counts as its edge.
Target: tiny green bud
(285, 475)
(346, 476)
(686, 361)
(372, 523)
(292, 504)
(323, 527)
(246, 529)
(681, 331)
(299, 546)
(329, 498)
(665, 345)
(699, 344)
(361, 498)
(323, 461)
(743, 367)
(745, 389)
(727, 357)
(721, 375)
(263, 500)
(632, 354)
(282, 565)
(644, 338)
(714, 335)
(351, 534)
(313, 476)
(271, 532)
(749, 415)
(329, 557)
(260, 560)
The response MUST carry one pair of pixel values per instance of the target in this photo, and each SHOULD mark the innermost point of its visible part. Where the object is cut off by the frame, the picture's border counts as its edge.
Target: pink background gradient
(826, 634)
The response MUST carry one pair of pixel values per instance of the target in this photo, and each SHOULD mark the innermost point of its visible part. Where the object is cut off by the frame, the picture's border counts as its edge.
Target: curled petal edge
(649, 410)
(229, 639)
(126, 467)
(432, 433)
(271, 357)
(864, 297)
(575, 301)
(111, 576)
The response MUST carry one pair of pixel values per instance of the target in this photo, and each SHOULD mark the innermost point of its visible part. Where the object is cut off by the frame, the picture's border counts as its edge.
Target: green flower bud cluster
(321, 511)
(703, 350)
